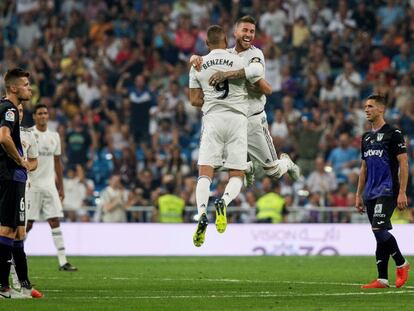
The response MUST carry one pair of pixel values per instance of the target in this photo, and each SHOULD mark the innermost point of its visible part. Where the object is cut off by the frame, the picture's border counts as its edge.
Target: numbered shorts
(43, 204)
(259, 141)
(380, 210)
(12, 212)
(223, 141)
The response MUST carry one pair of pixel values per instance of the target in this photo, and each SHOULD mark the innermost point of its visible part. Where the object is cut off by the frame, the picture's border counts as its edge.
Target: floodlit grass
(212, 283)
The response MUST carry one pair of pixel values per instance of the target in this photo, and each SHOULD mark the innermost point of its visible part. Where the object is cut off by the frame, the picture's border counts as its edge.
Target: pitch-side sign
(101, 239)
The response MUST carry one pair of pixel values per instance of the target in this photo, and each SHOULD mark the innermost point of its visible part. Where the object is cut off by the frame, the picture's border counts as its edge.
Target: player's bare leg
(20, 265)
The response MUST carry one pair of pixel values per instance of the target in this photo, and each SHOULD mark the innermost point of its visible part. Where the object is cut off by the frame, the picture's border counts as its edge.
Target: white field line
(217, 280)
(256, 295)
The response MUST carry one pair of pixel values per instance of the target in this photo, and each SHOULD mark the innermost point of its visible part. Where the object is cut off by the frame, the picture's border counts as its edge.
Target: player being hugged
(223, 141)
(380, 190)
(260, 143)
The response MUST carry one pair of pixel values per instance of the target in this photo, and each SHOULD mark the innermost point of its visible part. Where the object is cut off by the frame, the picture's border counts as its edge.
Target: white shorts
(43, 204)
(259, 141)
(223, 141)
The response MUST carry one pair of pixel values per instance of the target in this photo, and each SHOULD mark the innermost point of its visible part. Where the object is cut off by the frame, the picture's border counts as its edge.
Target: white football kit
(42, 195)
(259, 141)
(223, 141)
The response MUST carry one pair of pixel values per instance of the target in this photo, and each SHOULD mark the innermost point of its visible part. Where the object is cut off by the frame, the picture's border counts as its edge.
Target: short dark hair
(39, 106)
(13, 74)
(246, 19)
(215, 34)
(378, 98)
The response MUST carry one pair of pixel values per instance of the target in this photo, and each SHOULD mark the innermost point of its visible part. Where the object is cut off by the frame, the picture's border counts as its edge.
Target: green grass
(212, 283)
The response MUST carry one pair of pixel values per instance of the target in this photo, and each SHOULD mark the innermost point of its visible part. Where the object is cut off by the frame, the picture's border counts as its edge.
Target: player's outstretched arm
(359, 202)
(402, 201)
(196, 97)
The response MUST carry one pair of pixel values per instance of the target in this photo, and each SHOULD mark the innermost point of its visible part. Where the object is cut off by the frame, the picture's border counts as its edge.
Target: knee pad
(382, 235)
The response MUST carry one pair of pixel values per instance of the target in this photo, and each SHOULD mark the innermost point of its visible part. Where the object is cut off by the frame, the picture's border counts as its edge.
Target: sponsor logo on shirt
(373, 152)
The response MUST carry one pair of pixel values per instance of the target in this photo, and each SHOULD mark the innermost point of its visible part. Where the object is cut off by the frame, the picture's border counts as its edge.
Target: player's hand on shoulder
(196, 61)
(359, 204)
(402, 202)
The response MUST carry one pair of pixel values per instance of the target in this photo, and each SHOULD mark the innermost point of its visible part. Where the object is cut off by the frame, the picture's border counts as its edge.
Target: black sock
(382, 255)
(20, 263)
(5, 260)
(394, 251)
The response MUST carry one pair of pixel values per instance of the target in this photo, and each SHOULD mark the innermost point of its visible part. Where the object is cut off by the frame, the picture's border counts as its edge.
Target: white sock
(60, 246)
(249, 167)
(383, 281)
(232, 189)
(202, 193)
(283, 165)
(15, 278)
(403, 265)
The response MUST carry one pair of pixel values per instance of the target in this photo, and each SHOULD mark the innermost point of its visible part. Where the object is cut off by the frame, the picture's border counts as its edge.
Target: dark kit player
(13, 175)
(382, 187)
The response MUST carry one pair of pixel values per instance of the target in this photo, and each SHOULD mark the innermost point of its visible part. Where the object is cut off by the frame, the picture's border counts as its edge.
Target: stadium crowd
(114, 75)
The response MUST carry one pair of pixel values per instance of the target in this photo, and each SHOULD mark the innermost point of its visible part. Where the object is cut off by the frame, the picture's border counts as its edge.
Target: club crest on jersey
(380, 136)
(10, 116)
(378, 208)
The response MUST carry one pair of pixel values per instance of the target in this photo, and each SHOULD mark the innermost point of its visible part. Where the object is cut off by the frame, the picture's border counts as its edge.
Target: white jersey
(48, 144)
(256, 100)
(29, 144)
(226, 96)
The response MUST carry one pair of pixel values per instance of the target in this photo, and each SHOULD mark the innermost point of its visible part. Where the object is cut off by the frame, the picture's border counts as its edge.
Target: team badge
(10, 116)
(380, 136)
(378, 209)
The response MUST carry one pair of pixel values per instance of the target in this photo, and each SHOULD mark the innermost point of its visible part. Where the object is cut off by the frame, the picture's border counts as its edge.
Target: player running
(223, 141)
(260, 142)
(380, 190)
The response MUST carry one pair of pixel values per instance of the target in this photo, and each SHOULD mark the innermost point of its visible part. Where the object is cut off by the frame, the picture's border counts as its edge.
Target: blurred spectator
(322, 179)
(170, 207)
(341, 199)
(271, 206)
(307, 138)
(274, 21)
(344, 159)
(349, 82)
(248, 208)
(114, 201)
(75, 195)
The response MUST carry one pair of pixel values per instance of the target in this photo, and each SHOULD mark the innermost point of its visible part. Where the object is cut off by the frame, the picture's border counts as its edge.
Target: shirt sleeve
(9, 117)
(33, 151)
(58, 150)
(398, 143)
(194, 83)
(362, 146)
(255, 69)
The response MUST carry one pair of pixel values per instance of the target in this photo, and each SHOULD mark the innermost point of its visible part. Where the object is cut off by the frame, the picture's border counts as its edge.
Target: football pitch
(212, 283)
